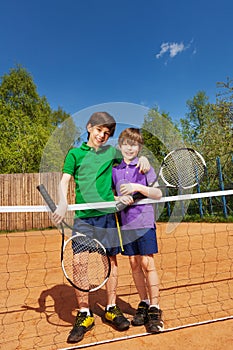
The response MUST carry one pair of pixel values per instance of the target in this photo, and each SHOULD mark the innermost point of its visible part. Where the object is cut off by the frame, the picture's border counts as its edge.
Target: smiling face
(129, 150)
(130, 142)
(98, 135)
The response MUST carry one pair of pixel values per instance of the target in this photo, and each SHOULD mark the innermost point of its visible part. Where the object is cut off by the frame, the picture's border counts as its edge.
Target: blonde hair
(130, 136)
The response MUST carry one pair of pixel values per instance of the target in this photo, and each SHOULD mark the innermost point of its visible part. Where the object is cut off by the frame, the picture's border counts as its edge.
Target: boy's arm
(143, 164)
(127, 200)
(60, 212)
(147, 191)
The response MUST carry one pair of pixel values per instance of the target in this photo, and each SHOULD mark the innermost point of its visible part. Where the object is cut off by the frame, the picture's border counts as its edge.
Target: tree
(19, 93)
(208, 129)
(194, 121)
(26, 122)
(60, 141)
(160, 136)
(225, 99)
(226, 90)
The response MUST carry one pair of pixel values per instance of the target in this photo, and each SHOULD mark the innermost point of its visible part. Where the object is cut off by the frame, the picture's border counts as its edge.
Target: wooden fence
(20, 189)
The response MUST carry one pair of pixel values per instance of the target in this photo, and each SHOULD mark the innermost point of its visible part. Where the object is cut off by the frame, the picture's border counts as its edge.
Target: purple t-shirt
(134, 216)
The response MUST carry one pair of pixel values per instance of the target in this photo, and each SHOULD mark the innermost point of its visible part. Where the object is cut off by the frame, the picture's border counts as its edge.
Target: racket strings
(85, 263)
(183, 168)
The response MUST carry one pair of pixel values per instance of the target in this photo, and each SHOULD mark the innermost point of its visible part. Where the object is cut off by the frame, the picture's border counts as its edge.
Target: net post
(211, 211)
(221, 185)
(200, 201)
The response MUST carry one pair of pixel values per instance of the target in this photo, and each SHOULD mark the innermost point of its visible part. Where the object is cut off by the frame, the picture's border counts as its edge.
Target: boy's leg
(82, 299)
(154, 322)
(106, 233)
(113, 314)
(152, 280)
(84, 320)
(138, 276)
(111, 285)
(140, 317)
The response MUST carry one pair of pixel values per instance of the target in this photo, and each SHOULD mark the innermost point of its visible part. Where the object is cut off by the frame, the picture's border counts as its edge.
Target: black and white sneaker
(140, 318)
(154, 321)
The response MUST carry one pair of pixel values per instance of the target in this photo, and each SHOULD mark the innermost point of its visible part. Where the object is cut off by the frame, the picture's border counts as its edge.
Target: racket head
(85, 263)
(183, 168)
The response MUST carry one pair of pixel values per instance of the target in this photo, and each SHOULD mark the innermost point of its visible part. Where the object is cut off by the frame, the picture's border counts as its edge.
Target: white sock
(110, 305)
(147, 301)
(155, 305)
(85, 309)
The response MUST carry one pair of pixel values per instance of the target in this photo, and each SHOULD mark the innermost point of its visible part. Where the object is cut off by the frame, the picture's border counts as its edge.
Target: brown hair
(102, 119)
(130, 135)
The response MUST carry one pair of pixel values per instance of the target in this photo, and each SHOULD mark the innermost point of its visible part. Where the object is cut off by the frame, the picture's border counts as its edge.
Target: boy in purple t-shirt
(138, 228)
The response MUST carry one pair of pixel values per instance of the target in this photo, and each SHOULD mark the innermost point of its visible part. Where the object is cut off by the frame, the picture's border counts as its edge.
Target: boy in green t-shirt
(91, 167)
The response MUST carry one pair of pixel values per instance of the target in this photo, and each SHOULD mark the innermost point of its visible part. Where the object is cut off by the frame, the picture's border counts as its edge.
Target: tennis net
(38, 306)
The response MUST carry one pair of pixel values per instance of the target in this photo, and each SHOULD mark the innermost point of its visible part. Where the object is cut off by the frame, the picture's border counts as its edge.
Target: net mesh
(38, 306)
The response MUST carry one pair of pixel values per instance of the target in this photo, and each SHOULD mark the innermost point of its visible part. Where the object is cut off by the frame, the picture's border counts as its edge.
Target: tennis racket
(182, 168)
(84, 261)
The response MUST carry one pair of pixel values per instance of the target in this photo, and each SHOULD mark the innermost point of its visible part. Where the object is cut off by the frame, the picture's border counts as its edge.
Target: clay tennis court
(38, 307)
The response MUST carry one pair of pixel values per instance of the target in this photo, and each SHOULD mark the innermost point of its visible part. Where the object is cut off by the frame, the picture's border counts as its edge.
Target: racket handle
(120, 206)
(137, 196)
(52, 206)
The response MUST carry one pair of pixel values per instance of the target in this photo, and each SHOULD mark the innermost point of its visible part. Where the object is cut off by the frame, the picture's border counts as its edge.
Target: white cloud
(172, 49)
(164, 49)
(176, 48)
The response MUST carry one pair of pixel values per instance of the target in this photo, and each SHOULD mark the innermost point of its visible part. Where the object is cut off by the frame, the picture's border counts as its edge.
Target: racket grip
(52, 206)
(120, 206)
(137, 196)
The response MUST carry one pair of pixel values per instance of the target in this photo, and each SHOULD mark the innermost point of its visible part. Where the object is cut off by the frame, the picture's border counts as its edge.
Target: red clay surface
(38, 307)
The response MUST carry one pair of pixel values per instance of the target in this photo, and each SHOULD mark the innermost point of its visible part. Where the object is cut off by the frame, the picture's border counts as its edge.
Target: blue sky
(145, 52)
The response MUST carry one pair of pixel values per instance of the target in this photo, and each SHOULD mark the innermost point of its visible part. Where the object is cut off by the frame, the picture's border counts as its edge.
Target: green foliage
(160, 136)
(26, 123)
(19, 93)
(195, 119)
(208, 128)
(61, 140)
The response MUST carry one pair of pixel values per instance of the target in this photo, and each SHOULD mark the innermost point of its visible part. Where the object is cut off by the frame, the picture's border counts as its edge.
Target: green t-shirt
(92, 172)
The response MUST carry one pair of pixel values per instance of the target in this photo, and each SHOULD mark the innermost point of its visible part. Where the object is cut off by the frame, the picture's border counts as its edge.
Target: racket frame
(65, 243)
(168, 185)
(136, 196)
(52, 206)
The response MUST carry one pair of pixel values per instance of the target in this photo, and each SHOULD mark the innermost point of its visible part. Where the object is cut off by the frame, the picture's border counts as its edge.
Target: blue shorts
(103, 228)
(140, 242)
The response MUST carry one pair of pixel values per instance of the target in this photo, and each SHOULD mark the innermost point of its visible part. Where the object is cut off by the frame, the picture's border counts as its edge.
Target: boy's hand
(127, 189)
(127, 200)
(143, 164)
(59, 213)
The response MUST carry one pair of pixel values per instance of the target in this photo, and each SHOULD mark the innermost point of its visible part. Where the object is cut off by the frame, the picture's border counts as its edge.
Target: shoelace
(141, 311)
(154, 315)
(116, 311)
(80, 318)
